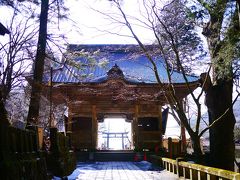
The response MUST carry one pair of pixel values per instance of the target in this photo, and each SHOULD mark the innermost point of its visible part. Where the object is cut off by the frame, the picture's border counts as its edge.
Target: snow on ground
(118, 170)
(80, 169)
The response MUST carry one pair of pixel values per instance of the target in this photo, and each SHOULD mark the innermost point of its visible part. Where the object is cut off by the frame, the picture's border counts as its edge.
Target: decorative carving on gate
(115, 73)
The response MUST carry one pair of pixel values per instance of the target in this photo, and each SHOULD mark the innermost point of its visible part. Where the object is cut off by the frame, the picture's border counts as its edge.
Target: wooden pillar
(133, 134)
(135, 128)
(107, 141)
(122, 141)
(54, 140)
(170, 153)
(40, 137)
(69, 127)
(160, 128)
(94, 127)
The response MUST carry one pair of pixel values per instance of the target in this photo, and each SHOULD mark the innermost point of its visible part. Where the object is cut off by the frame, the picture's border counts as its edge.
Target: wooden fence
(15, 140)
(19, 156)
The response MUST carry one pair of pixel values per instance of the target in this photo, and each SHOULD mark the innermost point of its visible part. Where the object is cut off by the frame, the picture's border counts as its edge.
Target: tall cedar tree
(219, 92)
(33, 113)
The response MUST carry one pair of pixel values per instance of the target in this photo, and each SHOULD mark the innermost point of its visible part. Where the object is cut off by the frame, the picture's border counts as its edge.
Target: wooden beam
(101, 93)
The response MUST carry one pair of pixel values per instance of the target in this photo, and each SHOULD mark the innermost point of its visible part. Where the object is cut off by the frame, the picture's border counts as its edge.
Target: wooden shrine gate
(127, 86)
(147, 126)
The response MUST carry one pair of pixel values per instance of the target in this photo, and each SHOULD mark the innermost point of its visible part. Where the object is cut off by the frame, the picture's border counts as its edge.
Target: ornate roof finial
(115, 73)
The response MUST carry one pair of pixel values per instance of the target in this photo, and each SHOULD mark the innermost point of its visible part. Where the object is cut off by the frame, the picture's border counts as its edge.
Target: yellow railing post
(197, 171)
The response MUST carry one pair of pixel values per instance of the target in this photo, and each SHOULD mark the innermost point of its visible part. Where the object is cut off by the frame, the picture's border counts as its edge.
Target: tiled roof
(134, 64)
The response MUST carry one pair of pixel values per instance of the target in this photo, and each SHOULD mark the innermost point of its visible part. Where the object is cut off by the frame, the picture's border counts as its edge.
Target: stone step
(107, 156)
(114, 156)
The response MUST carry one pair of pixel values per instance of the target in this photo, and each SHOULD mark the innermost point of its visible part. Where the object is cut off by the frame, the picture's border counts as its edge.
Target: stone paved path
(119, 171)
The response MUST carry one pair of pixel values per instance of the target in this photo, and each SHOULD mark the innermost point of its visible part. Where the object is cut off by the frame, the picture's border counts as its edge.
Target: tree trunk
(183, 139)
(33, 114)
(196, 143)
(222, 147)
(3, 112)
(219, 95)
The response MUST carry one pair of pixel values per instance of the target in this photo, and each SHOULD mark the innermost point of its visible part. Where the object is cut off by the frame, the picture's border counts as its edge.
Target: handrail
(196, 171)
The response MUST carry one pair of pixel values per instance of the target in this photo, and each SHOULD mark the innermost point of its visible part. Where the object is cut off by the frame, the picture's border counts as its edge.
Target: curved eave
(104, 91)
(197, 83)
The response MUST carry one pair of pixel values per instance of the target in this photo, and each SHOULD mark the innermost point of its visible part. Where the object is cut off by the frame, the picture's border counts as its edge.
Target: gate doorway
(114, 134)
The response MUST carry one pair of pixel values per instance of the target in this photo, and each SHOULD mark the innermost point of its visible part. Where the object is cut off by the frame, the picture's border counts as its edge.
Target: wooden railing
(195, 171)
